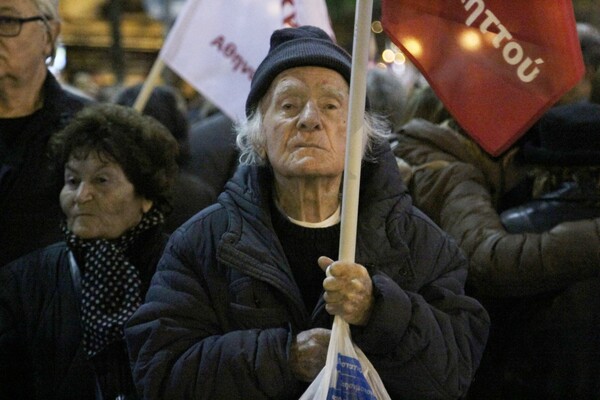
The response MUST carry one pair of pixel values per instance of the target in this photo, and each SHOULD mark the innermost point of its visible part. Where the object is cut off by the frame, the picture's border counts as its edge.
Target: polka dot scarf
(110, 284)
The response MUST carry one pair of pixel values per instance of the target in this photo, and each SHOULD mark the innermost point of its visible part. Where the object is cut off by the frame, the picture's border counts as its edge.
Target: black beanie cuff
(303, 49)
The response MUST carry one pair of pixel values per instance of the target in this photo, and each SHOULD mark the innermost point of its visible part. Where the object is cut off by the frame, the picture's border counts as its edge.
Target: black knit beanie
(296, 47)
(566, 135)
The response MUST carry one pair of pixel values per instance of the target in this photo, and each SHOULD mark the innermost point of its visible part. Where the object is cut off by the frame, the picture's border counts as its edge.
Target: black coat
(41, 356)
(213, 152)
(30, 211)
(223, 306)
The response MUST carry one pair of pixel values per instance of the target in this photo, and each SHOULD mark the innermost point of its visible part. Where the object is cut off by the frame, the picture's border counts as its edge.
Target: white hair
(48, 8)
(49, 11)
(251, 139)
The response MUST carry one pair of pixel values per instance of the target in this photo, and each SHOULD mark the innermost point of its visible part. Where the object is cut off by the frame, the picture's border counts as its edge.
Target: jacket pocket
(255, 305)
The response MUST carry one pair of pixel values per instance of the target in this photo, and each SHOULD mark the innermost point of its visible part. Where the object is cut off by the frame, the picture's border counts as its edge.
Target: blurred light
(60, 60)
(400, 58)
(376, 27)
(413, 46)
(489, 37)
(393, 46)
(163, 10)
(470, 40)
(399, 69)
(388, 56)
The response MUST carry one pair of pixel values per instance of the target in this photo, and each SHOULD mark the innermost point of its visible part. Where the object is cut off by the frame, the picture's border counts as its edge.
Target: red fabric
(480, 87)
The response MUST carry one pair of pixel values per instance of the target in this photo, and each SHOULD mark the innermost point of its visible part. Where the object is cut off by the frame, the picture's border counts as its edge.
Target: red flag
(497, 65)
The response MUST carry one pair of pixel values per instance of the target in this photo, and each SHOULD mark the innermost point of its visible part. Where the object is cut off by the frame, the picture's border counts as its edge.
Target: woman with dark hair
(62, 308)
(190, 193)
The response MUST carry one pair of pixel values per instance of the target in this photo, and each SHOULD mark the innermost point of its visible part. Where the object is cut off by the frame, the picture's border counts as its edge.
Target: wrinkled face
(23, 57)
(98, 199)
(305, 113)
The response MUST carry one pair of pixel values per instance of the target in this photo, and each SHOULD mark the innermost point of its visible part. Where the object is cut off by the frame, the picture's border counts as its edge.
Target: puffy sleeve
(459, 196)
(179, 342)
(517, 264)
(425, 337)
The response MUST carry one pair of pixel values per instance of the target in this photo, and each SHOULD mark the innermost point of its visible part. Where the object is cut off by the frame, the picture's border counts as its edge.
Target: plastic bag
(347, 374)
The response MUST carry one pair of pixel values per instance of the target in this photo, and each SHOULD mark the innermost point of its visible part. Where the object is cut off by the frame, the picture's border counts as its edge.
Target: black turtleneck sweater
(303, 247)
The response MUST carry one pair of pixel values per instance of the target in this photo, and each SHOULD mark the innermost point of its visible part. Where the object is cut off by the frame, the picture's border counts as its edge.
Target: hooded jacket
(458, 185)
(223, 306)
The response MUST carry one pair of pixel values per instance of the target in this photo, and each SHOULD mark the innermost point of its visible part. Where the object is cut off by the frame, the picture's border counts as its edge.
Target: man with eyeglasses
(32, 107)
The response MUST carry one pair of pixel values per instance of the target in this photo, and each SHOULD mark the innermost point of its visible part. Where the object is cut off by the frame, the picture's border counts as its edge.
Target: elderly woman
(237, 309)
(62, 308)
(33, 106)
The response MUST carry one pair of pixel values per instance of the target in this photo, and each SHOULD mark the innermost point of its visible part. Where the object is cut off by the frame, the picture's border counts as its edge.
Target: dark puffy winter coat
(223, 306)
(30, 211)
(40, 329)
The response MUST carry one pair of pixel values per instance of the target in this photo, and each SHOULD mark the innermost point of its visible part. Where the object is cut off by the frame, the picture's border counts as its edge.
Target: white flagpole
(354, 146)
(354, 134)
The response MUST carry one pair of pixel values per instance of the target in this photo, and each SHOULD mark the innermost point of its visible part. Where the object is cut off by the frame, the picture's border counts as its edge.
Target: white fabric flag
(216, 45)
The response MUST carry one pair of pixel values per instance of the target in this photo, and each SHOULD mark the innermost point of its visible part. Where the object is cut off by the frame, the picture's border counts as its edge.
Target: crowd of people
(529, 223)
(144, 255)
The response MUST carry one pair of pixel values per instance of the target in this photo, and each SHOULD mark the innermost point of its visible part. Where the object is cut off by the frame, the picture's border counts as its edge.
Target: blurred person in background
(589, 41)
(191, 193)
(32, 107)
(534, 267)
(387, 95)
(214, 154)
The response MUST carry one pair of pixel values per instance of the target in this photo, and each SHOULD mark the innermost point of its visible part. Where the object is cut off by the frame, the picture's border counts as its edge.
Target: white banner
(216, 45)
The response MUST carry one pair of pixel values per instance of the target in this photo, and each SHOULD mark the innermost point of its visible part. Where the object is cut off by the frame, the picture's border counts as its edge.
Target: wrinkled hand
(348, 290)
(309, 353)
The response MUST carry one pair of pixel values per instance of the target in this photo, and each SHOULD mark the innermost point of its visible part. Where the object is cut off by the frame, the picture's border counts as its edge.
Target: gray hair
(49, 11)
(48, 8)
(251, 139)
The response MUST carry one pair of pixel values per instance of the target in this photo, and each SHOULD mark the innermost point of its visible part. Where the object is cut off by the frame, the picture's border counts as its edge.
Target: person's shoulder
(217, 129)
(218, 121)
(415, 220)
(43, 253)
(38, 265)
(195, 188)
(421, 141)
(191, 194)
(211, 219)
(76, 101)
(65, 95)
(199, 235)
